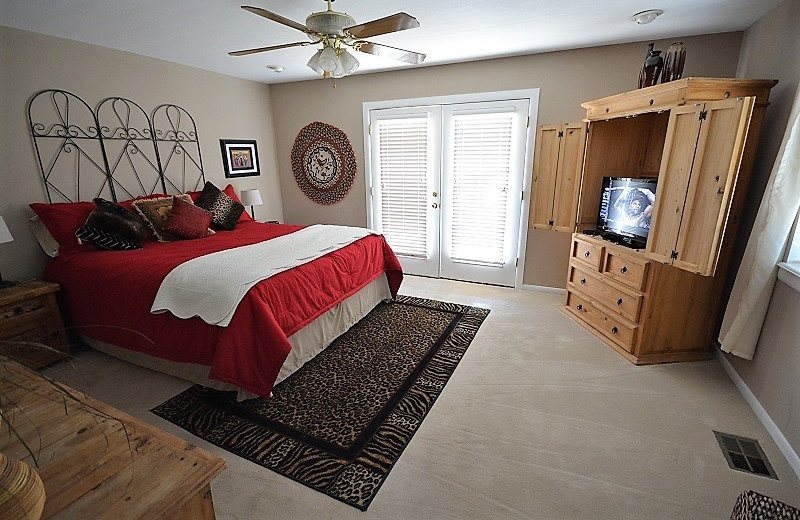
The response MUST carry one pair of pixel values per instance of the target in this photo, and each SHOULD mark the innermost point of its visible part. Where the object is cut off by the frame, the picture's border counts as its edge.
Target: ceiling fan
(336, 31)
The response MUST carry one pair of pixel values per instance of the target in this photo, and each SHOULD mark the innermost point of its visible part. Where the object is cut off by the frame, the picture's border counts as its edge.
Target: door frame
(532, 95)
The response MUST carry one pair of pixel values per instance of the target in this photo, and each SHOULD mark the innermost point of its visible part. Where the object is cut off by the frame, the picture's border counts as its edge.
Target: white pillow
(46, 240)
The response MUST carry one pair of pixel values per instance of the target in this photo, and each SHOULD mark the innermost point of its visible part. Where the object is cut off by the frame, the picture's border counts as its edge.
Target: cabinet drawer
(15, 325)
(626, 269)
(618, 300)
(587, 252)
(24, 307)
(35, 347)
(617, 330)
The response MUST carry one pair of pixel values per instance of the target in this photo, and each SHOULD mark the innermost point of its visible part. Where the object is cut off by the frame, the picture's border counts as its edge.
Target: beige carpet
(539, 421)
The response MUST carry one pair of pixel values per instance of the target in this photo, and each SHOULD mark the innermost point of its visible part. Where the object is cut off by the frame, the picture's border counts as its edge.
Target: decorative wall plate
(323, 163)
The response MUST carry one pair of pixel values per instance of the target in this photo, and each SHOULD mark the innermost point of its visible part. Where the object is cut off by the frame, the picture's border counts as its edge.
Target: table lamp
(5, 236)
(251, 198)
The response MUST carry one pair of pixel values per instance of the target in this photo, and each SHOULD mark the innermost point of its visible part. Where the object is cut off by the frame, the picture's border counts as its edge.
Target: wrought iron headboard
(115, 151)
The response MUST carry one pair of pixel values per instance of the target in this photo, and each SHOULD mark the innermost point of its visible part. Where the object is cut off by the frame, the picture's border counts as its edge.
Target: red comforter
(109, 295)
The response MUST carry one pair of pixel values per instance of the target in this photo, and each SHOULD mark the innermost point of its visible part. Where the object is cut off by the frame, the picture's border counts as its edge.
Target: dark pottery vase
(651, 69)
(674, 60)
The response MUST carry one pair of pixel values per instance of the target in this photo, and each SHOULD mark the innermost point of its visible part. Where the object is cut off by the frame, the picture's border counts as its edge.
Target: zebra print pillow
(110, 226)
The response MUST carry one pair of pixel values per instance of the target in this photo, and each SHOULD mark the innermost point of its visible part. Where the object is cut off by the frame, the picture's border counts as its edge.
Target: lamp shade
(348, 61)
(313, 63)
(251, 197)
(328, 59)
(5, 234)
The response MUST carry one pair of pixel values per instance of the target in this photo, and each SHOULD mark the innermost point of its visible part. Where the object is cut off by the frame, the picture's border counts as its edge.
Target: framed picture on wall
(239, 157)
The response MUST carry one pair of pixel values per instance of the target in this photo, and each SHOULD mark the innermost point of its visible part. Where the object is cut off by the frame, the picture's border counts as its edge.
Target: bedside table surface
(26, 290)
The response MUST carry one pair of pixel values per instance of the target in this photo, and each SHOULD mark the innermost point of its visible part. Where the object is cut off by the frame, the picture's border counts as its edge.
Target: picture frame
(239, 157)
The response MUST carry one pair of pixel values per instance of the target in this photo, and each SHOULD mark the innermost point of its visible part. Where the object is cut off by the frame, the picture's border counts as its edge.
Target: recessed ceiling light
(646, 16)
(276, 68)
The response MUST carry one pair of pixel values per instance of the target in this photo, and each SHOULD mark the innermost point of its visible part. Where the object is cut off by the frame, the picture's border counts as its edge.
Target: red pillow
(62, 219)
(188, 220)
(230, 193)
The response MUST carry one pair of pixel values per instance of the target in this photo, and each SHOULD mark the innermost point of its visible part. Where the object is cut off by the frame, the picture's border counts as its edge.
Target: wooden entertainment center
(698, 138)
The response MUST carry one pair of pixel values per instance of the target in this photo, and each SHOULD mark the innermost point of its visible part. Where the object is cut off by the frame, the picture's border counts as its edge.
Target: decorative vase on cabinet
(651, 68)
(674, 60)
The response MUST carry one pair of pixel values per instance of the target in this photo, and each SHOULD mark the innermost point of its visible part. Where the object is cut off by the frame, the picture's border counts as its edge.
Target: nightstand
(29, 315)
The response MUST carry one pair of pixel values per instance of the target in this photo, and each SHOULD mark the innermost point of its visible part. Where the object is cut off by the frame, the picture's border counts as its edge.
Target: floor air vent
(745, 454)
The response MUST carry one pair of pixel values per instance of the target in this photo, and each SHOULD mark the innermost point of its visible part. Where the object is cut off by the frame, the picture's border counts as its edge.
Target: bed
(119, 152)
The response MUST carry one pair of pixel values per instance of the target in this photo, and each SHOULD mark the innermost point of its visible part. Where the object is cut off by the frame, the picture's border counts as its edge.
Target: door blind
(482, 165)
(403, 174)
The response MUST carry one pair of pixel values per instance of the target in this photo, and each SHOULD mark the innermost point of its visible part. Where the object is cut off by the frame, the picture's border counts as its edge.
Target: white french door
(446, 184)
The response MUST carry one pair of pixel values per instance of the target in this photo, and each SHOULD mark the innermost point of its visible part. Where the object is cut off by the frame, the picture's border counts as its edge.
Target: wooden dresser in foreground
(97, 462)
(31, 330)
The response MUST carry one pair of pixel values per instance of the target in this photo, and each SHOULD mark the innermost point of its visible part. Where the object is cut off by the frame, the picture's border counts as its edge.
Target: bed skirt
(306, 342)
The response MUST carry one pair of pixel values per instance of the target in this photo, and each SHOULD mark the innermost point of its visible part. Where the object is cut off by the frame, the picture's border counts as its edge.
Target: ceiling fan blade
(393, 23)
(270, 48)
(276, 18)
(411, 57)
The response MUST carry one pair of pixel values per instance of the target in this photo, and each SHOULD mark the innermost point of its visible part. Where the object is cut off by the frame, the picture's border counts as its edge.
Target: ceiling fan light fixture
(329, 22)
(313, 63)
(645, 17)
(328, 59)
(338, 72)
(348, 61)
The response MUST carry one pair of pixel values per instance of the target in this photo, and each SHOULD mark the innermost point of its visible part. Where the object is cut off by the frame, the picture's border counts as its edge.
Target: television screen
(626, 207)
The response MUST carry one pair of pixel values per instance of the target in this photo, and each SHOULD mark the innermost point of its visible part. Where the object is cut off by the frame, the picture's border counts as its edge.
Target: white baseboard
(544, 289)
(783, 445)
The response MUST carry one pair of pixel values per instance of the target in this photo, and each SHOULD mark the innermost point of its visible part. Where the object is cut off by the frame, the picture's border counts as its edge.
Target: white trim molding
(543, 289)
(785, 448)
(789, 273)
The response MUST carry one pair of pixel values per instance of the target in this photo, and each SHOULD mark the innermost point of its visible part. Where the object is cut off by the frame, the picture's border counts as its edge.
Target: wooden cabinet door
(545, 168)
(568, 176)
(714, 174)
(683, 131)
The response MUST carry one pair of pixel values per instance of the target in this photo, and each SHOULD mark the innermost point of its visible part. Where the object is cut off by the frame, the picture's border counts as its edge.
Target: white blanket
(211, 286)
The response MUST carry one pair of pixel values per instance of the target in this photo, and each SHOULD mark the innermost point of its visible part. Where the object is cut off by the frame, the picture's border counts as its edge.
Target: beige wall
(565, 78)
(223, 107)
(770, 50)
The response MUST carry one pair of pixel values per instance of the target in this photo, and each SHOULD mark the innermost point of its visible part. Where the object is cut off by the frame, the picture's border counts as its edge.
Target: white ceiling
(199, 33)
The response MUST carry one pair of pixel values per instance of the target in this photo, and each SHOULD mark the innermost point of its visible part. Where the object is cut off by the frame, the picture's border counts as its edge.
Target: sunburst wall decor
(323, 163)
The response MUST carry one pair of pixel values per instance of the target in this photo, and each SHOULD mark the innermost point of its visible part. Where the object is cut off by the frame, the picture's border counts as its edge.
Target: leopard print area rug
(339, 424)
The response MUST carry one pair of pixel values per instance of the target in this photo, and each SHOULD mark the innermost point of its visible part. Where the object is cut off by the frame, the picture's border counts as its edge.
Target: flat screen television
(626, 207)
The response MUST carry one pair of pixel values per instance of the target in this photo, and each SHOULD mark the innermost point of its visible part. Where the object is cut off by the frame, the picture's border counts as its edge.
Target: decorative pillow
(128, 204)
(229, 191)
(187, 220)
(62, 219)
(110, 226)
(226, 210)
(156, 211)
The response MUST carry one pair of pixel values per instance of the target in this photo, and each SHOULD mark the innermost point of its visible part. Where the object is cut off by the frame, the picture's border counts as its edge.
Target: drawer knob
(18, 310)
(619, 301)
(614, 330)
(623, 270)
(583, 281)
(579, 307)
(587, 254)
